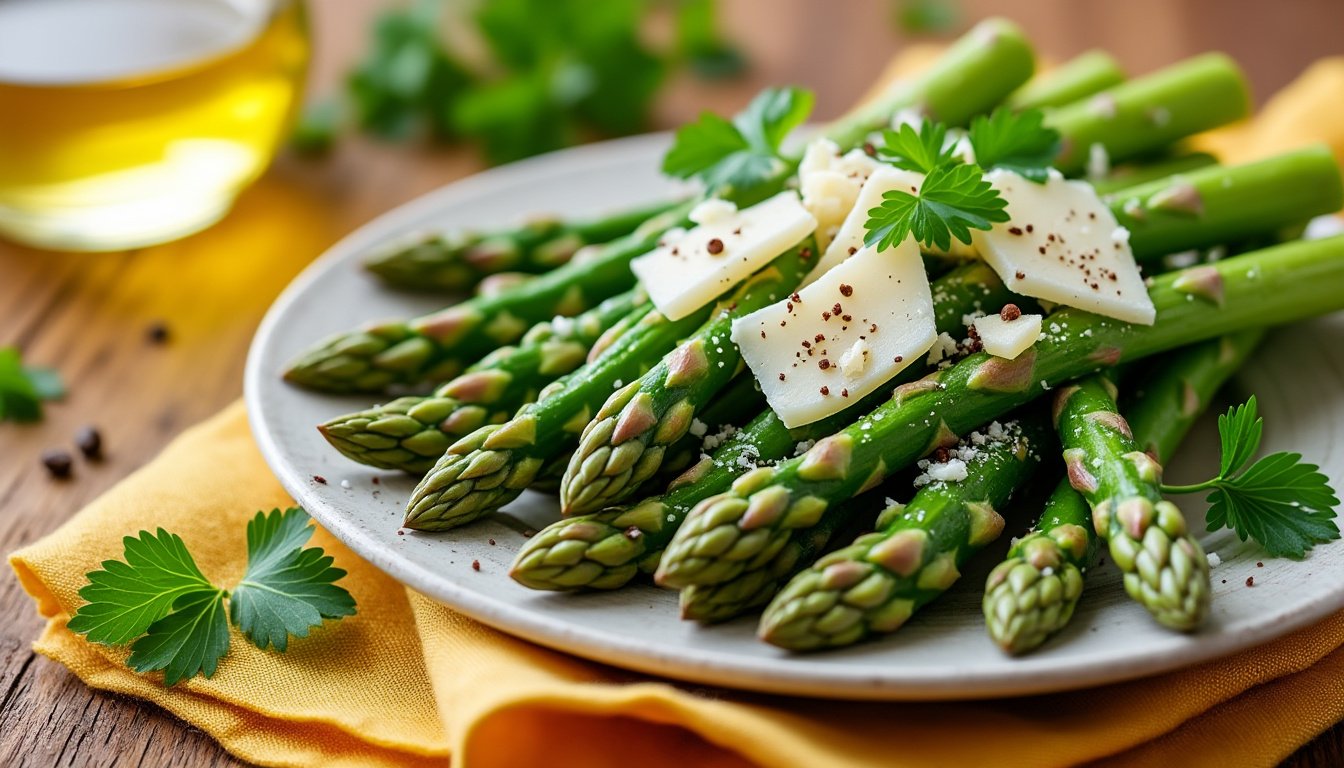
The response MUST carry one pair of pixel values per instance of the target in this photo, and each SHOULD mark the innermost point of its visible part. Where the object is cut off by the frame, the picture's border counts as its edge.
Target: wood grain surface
(87, 314)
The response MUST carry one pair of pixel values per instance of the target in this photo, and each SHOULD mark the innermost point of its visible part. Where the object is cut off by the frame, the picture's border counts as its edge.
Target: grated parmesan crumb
(950, 471)
(1098, 162)
(715, 440)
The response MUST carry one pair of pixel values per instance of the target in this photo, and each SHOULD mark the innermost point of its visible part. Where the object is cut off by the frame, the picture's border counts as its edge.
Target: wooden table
(87, 314)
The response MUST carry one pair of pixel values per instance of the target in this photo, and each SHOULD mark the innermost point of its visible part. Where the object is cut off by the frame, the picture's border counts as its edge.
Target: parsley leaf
(188, 641)
(125, 598)
(22, 390)
(1015, 141)
(287, 590)
(912, 150)
(159, 595)
(744, 151)
(953, 200)
(1240, 430)
(770, 116)
(1283, 503)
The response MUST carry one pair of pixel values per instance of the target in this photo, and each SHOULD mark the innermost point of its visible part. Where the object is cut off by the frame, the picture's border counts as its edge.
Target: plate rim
(787, 675)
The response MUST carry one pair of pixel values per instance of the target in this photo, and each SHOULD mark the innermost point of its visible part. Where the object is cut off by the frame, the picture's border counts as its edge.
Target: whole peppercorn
(157, 332)
(57, 461)
(89, 441)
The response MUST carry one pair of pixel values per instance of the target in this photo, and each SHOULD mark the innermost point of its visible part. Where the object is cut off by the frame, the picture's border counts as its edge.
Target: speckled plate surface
(942, 653)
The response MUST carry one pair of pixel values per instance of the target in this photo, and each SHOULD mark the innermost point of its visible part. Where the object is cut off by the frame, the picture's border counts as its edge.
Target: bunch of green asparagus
(671, 466)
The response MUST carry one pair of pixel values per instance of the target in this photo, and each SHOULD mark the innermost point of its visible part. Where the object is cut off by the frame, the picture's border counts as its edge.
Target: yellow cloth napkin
(408, 683)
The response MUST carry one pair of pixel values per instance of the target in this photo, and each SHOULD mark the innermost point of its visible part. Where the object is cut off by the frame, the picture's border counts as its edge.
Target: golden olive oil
(130, 122)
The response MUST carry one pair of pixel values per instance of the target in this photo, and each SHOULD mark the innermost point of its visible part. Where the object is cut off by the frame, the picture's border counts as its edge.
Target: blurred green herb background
(522, 77)
(519, 77)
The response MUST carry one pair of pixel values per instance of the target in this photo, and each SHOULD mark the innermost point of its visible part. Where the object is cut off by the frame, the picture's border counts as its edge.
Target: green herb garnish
(158, 600)
(1282, 502)
(920, 150)
(953, 199)
(1015, 141)
(741, 152)
(522, 77)
(23, 389)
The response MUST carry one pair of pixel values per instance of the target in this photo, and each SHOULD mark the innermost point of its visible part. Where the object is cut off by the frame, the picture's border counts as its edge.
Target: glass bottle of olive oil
(130, 122)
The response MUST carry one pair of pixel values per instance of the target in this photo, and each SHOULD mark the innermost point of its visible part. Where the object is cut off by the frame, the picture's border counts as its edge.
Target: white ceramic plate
(943, 653)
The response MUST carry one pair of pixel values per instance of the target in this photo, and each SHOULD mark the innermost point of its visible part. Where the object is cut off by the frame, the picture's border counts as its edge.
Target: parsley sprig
(1015, 141)
(22, 389)
(1282, 502)
(158, 600)
(955, 198)
(741, 152)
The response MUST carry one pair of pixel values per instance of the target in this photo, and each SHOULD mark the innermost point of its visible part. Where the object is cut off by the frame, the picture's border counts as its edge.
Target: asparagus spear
(1074, 80)
(724, 415)
(622, 449)
(976, 73)
(501, 283)
(1134, 174)
(1147, 113)
(714, 603)
(490, 467)
(874, 585)
(606, 549)
(457, 260)
(1032, 594)
(437, 346)
(1226, 204)
(1164, 406)
(1165, 568)
(745, 527)
(411, 433)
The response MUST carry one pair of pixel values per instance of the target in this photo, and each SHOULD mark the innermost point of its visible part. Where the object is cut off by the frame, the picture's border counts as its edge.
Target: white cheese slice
(689, 270)
(829, 182)
(1008, 338)
(813, 359)
(848, 239)
(1063, 244)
